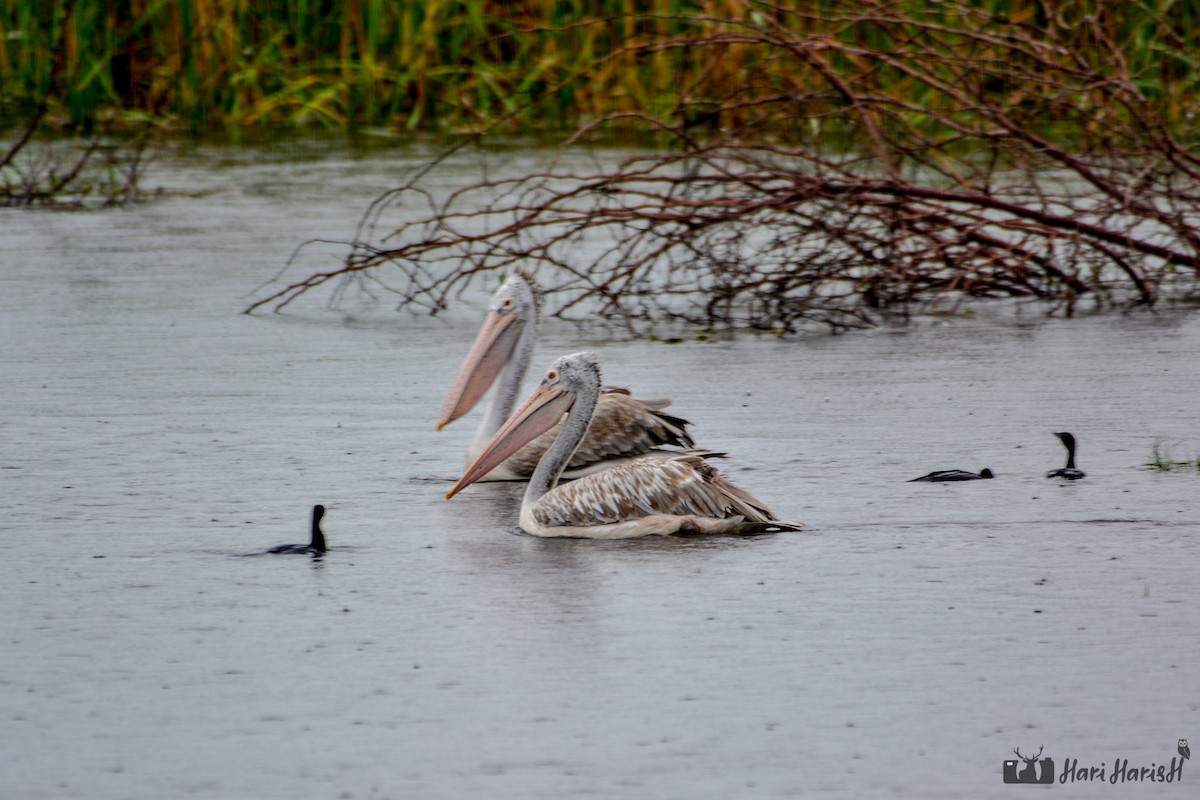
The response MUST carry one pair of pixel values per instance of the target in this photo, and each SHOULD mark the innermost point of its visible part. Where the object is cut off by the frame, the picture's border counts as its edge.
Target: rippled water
(903, 644)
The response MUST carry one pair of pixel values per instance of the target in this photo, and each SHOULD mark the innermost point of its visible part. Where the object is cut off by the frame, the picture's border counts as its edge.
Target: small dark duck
(1069, 472)
(942, 475)
(314, 547)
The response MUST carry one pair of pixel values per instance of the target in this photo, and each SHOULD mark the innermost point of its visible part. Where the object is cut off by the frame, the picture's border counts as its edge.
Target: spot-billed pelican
(642, 497)
(623, 427)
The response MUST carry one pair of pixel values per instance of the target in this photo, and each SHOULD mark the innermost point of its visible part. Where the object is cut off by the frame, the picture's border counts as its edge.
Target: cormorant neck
(318, 538)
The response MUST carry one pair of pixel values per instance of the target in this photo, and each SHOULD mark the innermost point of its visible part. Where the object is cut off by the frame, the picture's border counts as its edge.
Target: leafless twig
(1032, 166)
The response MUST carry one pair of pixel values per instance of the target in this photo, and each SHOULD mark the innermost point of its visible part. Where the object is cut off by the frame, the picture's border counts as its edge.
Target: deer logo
(1035, 771)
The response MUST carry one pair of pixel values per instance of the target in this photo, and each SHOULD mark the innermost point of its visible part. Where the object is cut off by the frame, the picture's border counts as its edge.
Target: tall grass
(466, 64)
(1163, 460)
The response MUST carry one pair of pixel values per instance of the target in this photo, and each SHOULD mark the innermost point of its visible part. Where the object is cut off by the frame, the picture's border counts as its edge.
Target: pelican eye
(552, 375)
(507, 303)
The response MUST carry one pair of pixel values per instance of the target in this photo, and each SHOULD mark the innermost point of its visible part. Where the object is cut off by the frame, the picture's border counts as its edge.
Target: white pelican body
(642, 497)
(623, 427)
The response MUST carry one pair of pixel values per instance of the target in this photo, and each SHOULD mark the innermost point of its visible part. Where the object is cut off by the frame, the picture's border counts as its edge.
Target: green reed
(468, 64)
(1163, 460)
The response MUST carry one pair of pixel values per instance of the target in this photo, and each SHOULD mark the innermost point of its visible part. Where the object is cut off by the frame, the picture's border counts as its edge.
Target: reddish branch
(1021, 160)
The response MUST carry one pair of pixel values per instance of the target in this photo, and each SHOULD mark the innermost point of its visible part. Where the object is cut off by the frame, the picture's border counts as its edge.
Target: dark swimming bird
(315, 547)
(938, 476)
(1068, 472)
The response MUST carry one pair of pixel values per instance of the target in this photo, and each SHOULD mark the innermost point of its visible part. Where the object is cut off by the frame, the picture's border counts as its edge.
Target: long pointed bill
(539, 414)
(487, 356)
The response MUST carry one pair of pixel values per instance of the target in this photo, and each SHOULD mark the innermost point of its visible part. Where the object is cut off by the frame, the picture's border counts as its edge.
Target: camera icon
(1036, 769)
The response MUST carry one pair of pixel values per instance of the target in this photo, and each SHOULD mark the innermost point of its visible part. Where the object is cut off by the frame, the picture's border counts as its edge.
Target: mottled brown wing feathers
(681, 486)
(622, 426)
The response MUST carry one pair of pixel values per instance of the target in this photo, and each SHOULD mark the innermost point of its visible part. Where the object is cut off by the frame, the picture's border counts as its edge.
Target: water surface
(902, 645)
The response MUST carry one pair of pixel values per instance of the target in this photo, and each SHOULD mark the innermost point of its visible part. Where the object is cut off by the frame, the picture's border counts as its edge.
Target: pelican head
(567, 378)
(513, 308)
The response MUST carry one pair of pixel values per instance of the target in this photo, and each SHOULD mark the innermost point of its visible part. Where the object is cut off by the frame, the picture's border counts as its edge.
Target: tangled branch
(33, 173)
(1021, 159)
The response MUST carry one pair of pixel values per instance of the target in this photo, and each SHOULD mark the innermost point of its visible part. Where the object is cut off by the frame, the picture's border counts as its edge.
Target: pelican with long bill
(649, 496)
(622, 428)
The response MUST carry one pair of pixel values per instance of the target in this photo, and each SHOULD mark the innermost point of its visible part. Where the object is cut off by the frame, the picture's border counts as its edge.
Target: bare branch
(1021, 160)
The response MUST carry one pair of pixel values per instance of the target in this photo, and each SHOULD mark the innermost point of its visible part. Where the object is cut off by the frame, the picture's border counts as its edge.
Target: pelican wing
(622, 426)
(682, 486)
